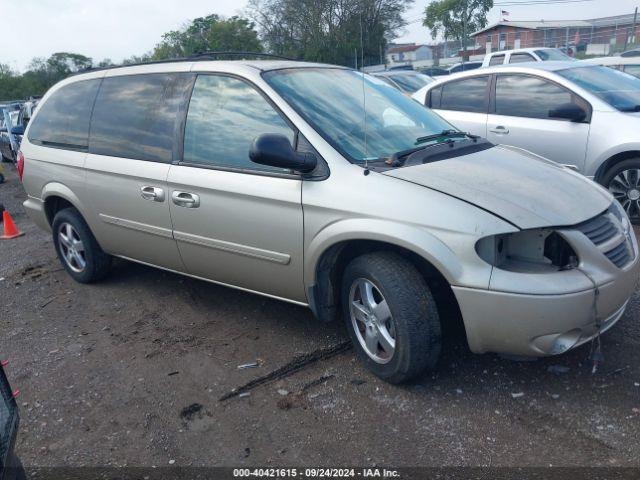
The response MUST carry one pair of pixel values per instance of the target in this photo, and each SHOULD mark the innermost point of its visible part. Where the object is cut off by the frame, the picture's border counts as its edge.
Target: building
(407, 53)
(599, 34)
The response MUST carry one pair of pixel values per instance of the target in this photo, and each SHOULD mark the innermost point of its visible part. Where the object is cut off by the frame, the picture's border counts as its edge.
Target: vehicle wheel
(77, 248)
(391, 316)
(623, 181)
(1, 178)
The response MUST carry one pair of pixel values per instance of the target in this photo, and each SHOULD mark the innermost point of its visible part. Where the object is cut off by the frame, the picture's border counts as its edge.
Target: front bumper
(542, 325)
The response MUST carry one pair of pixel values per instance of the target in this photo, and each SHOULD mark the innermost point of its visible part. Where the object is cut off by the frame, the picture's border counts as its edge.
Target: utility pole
(464, 31)
(633, 30)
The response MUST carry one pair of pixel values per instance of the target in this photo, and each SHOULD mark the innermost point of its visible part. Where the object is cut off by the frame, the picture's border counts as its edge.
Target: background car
(631, 53)
(463, 67)
(8, 143)
(523, 55)
(629, 64)
(580, 115)
(404, 80)
(434, 71)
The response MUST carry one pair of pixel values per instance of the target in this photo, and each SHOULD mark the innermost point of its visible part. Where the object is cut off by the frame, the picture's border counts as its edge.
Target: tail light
(20, 164)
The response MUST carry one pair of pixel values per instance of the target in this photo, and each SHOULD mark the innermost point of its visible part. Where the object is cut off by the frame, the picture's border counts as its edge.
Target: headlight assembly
(529, 251)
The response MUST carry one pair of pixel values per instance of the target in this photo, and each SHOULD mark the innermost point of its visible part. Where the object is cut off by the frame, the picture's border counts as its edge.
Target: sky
(118, 29)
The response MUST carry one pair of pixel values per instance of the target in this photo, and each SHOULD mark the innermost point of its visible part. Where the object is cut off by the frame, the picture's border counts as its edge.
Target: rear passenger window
(225, 116)
(521, 58)
(136, 116)
(63, 120)
(527, 96)
(468, 95)
(496, 60)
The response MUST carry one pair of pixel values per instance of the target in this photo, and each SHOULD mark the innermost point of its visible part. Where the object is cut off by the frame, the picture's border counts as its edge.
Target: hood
(518, 186)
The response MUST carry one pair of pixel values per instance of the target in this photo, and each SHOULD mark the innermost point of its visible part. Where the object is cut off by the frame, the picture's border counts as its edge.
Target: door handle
(500, 130)
(185, 199)
(152, 193)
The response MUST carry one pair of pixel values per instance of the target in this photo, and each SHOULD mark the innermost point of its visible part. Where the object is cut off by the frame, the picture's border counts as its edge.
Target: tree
(210, 33)
(456, 19)
(333, 31)
(40, 75)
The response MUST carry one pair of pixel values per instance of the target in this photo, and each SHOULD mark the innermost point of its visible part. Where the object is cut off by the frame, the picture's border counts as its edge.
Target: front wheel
(623, 181)
(391, 316)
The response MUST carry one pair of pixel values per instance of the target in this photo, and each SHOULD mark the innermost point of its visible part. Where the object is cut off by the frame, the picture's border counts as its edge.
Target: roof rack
(196, 57)
(213, 53)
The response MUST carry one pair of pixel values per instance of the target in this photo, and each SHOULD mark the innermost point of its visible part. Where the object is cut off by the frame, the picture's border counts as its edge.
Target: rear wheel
(391, 316)
(623, 181)
(77, 248)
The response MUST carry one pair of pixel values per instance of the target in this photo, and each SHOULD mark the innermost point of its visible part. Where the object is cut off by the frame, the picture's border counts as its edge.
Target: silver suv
(319, 186)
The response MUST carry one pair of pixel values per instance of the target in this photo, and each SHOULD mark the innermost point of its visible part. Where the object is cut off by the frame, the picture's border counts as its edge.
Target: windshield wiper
(445, 134)
(634, 108)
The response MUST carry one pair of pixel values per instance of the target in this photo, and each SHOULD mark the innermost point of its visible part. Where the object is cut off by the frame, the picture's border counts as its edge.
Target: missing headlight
(533, 251)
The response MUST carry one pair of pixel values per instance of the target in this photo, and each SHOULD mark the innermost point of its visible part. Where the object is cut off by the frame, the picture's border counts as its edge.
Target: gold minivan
(327, 188)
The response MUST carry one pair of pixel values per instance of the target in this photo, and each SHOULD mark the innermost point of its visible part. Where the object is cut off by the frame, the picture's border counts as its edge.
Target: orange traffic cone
(10, 229)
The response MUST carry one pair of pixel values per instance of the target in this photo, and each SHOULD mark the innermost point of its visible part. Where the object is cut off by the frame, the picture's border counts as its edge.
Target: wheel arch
(614, 160)
(429, 255)
(56, 197)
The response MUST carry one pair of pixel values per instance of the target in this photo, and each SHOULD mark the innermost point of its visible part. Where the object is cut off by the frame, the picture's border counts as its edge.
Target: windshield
(552, 54)
(411, 82)
(331, 100)
(618, 89)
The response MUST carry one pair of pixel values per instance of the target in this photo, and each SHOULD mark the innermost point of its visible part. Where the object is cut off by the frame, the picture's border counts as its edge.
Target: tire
(77, 248)
(623, 181)
(413, 325)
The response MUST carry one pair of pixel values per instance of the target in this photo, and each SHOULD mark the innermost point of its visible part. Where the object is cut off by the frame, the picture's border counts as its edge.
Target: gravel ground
(131, 371)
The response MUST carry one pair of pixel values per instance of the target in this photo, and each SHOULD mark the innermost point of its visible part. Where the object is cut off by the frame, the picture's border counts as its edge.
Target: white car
(523, 55)
(579, 115)
(629, 65)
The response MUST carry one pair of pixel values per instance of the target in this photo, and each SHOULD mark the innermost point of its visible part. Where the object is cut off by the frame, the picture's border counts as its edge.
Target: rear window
(63, 120)
(136, 116)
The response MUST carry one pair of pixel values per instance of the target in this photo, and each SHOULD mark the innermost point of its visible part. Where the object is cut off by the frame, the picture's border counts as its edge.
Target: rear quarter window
(468, 95)
(63, 120)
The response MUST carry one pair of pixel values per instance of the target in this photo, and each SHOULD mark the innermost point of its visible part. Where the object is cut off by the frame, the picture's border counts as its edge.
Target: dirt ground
(130, 371)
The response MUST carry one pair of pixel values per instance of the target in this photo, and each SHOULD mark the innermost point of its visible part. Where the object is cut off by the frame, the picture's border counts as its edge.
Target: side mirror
(17, 130)
(275, 150)
(568, 111)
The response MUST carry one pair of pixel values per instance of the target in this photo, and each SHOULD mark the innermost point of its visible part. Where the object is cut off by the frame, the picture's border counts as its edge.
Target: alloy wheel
(625, 187)
(72, 248)
(372, 320)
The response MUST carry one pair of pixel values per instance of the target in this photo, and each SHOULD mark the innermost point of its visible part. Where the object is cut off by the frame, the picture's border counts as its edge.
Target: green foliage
(456, 19)
(206, 34)
(331, 31)
(40, 75)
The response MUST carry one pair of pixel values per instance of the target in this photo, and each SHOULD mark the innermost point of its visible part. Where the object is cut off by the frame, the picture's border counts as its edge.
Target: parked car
(320, 186)
(434, 71)
(406, 81)
(583, 116)
(631, 53)
(524, 55)
(8, 143)
(463, 67)
(630, 65)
